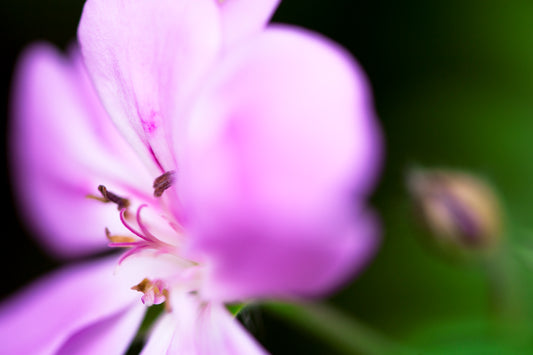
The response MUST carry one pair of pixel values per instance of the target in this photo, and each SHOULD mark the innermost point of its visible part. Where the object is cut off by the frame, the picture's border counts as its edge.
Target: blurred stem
(346, 335)
(504, 288)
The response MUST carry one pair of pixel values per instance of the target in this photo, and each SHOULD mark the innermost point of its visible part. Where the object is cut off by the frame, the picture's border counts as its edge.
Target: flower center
(182, 273)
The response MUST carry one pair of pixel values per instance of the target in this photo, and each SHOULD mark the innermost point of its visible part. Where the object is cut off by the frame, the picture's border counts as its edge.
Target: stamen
(163, 182)
(108, 196)
(118, 238)
(121, 202)
(155, 292)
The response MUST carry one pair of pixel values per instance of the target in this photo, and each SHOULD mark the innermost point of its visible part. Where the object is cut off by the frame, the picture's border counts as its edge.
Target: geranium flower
(230, 161)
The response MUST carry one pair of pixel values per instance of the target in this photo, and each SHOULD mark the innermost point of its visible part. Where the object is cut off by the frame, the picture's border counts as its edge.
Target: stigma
(143, 239)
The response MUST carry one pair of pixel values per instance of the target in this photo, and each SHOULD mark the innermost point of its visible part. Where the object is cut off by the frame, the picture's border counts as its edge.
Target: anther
(118, 238)
(163, 182)
(109, 196)
(154, 292)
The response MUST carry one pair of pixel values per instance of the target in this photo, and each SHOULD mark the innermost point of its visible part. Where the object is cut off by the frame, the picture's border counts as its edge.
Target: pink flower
(231, 161)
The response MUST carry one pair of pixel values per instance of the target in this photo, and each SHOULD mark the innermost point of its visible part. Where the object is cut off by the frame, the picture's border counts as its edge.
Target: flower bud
(460, 210)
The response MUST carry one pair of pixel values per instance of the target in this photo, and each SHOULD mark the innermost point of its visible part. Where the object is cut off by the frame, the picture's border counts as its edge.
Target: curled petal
(66, 307)
(281, 150)
(63, 146)
(203, 329)
(143, 54)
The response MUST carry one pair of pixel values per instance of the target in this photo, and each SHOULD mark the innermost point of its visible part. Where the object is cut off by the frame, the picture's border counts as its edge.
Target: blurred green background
(453, 87)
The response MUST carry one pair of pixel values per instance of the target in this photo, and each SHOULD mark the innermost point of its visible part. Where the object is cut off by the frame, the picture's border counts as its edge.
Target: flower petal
(282, 148)
(275, 263)
(200, 329)
(142, 55)
(63, 146)
(161, 336)
(242, 18)
(109, 336)
(57, 309)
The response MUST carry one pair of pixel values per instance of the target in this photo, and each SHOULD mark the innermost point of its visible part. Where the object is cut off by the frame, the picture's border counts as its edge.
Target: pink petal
(161, 336)
(277, 263)
(200, 329)
(242, 18)
(112, 335)
(282, 150)
(63, 146)
(64, 308)
(143, 55)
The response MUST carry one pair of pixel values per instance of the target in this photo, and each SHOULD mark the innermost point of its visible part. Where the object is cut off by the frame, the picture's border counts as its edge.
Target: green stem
(342, 333)
(504, 288)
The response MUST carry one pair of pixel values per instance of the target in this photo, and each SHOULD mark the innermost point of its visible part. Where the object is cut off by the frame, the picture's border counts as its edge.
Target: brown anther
(118, 238)
(155, 292)
(142, 286)
(168, 307)
(108, 196)
(163, 182)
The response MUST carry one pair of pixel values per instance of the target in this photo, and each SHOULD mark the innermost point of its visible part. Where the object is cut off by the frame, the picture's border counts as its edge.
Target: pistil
(146, 239)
